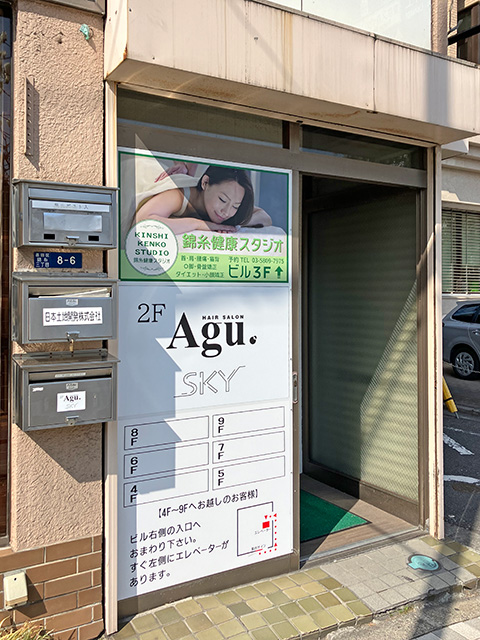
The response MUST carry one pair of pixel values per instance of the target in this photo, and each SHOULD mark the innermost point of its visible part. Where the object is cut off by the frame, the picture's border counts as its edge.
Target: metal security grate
(362, 338)
(461, 252)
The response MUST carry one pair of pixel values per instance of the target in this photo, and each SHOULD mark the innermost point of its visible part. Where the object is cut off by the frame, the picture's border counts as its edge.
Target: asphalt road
(462, 454)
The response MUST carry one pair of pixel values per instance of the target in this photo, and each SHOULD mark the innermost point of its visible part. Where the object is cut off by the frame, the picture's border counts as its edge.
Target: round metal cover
(423, 562)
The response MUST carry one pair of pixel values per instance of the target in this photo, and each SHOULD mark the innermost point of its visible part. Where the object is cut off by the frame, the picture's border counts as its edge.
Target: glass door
(361, 334)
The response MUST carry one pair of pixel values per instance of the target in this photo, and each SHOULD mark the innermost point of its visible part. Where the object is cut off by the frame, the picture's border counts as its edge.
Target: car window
(466, 313)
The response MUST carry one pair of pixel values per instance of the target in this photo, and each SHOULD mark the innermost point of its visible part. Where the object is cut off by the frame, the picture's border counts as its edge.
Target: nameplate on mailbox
(72, 401)
(86, 315)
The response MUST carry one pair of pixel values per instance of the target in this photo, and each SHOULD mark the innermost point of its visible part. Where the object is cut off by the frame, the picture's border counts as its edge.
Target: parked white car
(461, 340)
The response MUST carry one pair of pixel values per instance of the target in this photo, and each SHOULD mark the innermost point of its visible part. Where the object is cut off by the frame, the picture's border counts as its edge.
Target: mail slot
(57, 390)
(52, 309)
(57, 214)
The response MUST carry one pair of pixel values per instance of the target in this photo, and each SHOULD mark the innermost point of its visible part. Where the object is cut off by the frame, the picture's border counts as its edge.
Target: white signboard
(194, 347)
(204, 427)
(205, 431)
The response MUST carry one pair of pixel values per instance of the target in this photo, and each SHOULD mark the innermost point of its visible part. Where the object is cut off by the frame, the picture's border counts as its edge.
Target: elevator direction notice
(190, 514)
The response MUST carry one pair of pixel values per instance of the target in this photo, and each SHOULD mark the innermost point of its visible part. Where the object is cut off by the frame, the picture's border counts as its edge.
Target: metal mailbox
(58, 390)
(63, 215)
(52, 309)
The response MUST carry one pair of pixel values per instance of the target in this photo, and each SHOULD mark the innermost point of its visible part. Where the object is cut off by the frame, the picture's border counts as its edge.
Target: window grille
(461, 252)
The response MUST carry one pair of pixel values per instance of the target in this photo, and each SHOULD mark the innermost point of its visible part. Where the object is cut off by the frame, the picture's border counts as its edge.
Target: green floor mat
(319, 518)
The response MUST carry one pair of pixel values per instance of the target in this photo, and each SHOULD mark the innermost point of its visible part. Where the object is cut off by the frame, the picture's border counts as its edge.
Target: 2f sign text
(151, 312)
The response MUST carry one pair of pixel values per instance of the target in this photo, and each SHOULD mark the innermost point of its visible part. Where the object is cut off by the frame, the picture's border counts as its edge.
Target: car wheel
(466, 364)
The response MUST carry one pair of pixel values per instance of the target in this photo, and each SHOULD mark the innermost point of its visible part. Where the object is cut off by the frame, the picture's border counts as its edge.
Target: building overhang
(291, 65)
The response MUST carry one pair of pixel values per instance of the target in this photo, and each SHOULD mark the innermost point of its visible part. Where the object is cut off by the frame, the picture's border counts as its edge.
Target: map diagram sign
(205, 414)
(188, 220)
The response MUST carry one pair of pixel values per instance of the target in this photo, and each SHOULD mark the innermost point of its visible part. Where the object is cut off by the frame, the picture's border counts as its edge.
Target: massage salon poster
(204, 399)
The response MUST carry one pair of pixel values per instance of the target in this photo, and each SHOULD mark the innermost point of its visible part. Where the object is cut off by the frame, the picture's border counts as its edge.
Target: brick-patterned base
(64, 587)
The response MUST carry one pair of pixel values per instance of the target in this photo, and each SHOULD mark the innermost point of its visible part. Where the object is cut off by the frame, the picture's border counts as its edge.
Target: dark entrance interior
(360, 436)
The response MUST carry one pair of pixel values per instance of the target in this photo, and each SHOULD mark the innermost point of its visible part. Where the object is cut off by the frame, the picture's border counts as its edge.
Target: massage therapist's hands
(184, 168)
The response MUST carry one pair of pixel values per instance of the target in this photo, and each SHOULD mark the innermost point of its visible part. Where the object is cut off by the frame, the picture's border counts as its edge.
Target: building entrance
(360, 441)
(358, 221)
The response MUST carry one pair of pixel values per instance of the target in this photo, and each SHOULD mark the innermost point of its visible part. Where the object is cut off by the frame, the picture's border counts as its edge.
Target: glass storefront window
(188, 117)
(357, 147)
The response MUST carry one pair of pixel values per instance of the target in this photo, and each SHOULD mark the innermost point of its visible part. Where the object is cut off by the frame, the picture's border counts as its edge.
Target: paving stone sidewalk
(312, 602)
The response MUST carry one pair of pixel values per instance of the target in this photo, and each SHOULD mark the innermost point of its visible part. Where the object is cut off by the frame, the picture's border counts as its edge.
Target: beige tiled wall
(64, 587)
